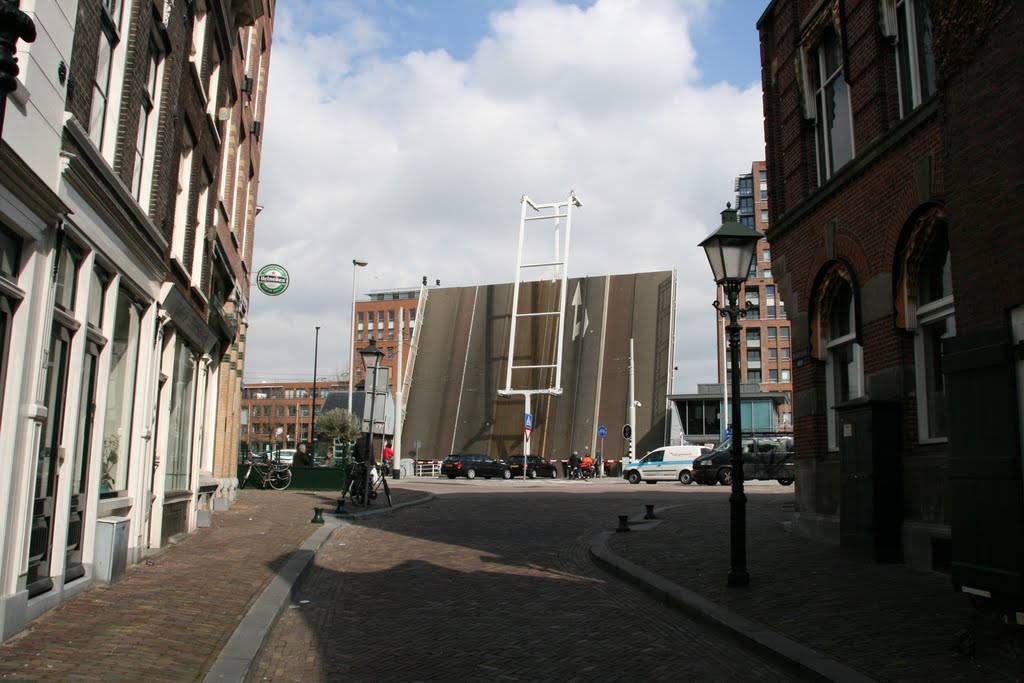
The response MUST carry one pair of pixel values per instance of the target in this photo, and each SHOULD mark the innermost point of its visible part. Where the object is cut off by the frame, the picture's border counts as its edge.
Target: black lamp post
(14, 25)
(312, 403)
(731, 250)
(370, 356)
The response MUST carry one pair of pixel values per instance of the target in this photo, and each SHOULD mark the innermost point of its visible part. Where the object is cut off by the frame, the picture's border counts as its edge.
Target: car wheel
(634, 477)
(785, 482)
(532, 474)
(506, 474)
(725, 476)
(685, 477)
(471, 474)
(554, 474)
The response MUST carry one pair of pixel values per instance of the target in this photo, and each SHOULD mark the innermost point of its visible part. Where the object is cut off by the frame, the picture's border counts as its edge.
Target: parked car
(536, 466)
(668, 463)
(286, 456)
(473, 465)
(765, 457)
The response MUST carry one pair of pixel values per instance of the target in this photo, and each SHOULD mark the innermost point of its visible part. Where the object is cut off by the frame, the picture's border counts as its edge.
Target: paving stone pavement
(170, 616)
(492, 583)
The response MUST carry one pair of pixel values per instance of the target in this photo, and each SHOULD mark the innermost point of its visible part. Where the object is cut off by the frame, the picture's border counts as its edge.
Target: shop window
(179, 434)
(117, 420)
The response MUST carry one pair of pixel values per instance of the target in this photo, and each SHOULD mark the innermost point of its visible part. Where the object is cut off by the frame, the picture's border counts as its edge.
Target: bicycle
(357, 486)
(274, 475)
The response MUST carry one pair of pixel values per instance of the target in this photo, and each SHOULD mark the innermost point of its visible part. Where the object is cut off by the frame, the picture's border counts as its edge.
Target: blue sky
(405, 132)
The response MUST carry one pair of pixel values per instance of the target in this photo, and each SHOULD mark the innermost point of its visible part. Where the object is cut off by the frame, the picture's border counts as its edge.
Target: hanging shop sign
(272, 279)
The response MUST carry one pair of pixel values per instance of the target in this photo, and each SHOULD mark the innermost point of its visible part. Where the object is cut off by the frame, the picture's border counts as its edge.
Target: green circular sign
(272, 279)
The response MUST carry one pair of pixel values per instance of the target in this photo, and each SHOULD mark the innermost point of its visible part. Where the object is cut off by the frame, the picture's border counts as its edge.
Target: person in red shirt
(588, 464)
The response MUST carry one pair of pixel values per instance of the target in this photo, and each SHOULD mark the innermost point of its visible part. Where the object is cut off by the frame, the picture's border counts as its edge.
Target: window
(746, 205)
(752, 295)
(68, 262)
(784, 333)
(753, 356)
(10, 265)
(767, 273)
(181, 223)
(753, 337)
(915, 57)
(754, 313)
(753, 375)
(773, 375)
(767, 256)
(747, 221)
(772, 331)
(773, 354)
(785, 375)
(117, 421)
(199, 255)
(110, 25)
(843, 358)
(764, 215)
(762, 177)
(179, 435)
(785, 353)
(304, 410)
(97, 290)
(145, 139)
(770, 312)
(833, 118)
(359, 326)
(935, 320)
(391, 325)
(764, 195)
(745, 185)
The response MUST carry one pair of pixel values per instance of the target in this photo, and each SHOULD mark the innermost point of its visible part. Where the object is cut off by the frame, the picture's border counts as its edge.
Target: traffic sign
(602, 431)
(528, 421)
(627, 432)
(728, 432)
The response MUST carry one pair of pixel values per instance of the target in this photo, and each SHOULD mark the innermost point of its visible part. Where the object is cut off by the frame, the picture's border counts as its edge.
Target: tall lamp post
(356, 263)
(730, 251)
(312, 403)
(370, 356)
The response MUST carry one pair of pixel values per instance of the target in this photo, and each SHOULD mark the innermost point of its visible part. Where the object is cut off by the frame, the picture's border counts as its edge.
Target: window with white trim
(833, 126)
(935, 322)
(110, 36)
(199, 255)
(181, 222)
(844, 358)
(915, 56)
(145, 140)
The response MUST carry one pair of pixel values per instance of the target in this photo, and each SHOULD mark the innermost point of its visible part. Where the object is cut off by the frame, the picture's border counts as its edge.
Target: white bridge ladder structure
(558, 263)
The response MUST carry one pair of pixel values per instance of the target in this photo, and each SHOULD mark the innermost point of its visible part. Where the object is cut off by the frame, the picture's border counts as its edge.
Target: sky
(404, 132)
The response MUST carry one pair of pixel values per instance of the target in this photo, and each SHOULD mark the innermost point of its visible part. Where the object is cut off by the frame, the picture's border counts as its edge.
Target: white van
(668, 463)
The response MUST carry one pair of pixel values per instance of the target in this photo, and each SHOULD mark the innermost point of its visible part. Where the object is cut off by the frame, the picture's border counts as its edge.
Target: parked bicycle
(357, 490)
(274, 475)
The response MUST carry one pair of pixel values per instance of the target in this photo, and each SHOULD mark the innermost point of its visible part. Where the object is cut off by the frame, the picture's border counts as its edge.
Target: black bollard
(623, 523)
(650, 512)
(318, 516)
(341, 507)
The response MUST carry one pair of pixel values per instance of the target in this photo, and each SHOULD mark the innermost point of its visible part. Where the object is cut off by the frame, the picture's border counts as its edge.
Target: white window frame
(833, 347)
(145, 140)
(927, 316)
(181, 223)
(902, 19)
(823, 137)
(199, 245)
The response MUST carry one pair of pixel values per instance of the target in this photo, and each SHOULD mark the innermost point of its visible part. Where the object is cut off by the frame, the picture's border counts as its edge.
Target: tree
(339, 424)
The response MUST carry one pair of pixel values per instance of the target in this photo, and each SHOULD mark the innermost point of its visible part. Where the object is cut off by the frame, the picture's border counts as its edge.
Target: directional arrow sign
(579, 327)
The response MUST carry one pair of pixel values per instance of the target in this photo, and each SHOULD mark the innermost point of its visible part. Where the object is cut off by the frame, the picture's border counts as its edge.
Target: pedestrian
(302, 457)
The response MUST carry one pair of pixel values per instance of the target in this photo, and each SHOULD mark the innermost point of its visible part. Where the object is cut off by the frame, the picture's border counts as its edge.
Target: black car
(765, 457)
(472, 465)
(536, 466)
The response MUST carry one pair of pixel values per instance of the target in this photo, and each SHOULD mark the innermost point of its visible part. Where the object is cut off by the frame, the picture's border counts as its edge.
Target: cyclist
(574, 465)
(587, 466)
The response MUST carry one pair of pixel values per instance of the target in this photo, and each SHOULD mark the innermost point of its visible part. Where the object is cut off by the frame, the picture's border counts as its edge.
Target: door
(47, 463)
(81, 467)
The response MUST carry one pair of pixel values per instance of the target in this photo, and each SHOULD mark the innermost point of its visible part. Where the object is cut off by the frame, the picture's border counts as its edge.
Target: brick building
(289, 406)
(128, 175)
(893, 169)
(387, 315)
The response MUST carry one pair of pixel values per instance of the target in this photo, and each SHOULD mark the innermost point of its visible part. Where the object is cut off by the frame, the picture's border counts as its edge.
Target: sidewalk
(841, 619)
(172, 615)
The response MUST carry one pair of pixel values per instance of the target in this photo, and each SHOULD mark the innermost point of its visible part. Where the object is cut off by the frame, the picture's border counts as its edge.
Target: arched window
(934, 323)
(844, 357)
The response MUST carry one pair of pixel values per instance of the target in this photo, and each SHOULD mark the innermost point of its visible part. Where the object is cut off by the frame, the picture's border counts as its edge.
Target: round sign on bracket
(272, 279)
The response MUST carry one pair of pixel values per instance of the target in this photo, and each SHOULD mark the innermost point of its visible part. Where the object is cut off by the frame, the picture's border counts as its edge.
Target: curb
(239, 654)
(773, 643)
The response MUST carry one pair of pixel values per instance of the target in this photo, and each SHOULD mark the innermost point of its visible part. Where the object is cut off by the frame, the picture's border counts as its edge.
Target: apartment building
(388, 315)
(291, 407)
(128, 176)
(892, 159)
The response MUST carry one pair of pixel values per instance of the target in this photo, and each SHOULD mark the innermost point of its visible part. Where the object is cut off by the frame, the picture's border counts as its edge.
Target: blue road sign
(728, 433)
(602, 431)
(528, 424)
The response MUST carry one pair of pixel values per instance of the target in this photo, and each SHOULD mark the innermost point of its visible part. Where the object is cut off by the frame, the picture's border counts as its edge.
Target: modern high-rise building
(765, 358)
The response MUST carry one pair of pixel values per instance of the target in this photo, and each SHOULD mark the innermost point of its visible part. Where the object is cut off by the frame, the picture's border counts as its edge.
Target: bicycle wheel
(357, 491)
(387, 491)
(280, 479)
(245, 478)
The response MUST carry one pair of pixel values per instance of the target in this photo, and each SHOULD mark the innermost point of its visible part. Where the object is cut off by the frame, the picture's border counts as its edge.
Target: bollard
(623, 523)
(650, 512)
(318, 516)
(341, 507)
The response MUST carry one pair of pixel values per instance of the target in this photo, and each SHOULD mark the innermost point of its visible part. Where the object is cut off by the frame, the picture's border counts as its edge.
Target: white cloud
(417, 163)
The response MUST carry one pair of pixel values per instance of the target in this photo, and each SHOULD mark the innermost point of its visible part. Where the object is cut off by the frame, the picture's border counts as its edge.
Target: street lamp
(356, 263)
(312, 403)
(370, 356)
(14, 25)
(730, 251)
